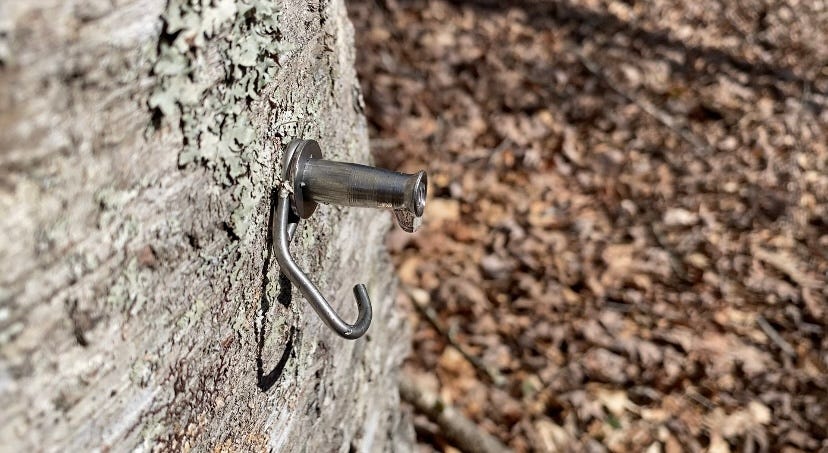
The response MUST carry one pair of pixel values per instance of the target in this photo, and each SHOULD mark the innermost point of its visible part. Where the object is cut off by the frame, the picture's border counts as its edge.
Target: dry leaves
(627, 216)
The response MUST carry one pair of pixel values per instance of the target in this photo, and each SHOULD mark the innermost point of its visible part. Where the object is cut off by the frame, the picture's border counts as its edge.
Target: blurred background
(626, 241)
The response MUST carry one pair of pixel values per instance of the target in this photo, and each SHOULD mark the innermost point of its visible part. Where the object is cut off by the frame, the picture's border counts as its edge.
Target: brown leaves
(628, 215)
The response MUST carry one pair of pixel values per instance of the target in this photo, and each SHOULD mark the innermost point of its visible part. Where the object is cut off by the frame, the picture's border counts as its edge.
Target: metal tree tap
(310, 180)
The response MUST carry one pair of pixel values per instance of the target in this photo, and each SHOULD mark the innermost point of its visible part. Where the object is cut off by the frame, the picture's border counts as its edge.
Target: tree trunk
(140, 306)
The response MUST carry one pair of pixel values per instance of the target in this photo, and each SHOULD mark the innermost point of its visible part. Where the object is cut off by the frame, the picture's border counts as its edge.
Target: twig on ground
(775, 337)
(428, 312)
(700, 399)
(787, 265)
(459, 430)
(698, 143)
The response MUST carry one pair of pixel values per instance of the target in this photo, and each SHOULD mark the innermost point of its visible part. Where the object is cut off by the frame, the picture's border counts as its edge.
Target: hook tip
(360, 291)
(365, 313)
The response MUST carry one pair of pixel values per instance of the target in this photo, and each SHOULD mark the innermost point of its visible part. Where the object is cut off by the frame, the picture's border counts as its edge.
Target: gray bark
(140, 307)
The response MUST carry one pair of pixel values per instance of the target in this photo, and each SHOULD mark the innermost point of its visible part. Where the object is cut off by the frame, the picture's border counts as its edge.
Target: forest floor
(626, 241)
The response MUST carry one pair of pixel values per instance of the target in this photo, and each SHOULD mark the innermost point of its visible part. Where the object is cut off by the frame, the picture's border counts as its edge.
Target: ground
(626, 242)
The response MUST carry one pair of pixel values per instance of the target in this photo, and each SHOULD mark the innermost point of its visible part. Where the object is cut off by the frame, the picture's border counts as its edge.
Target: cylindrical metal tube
(341, 183)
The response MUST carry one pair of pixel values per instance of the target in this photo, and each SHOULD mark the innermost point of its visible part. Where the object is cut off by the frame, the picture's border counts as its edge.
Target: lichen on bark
(211, 107)
(138, 306)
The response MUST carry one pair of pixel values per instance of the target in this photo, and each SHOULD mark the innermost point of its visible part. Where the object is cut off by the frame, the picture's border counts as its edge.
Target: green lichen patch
(127, 292)
(190, 318)
(141, 373)
(211, 107)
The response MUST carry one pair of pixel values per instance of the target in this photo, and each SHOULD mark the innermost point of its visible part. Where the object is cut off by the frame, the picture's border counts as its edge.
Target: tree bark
(140, 306)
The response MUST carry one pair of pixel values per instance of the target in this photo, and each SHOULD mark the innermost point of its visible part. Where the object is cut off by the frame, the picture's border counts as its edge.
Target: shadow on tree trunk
(266, 381)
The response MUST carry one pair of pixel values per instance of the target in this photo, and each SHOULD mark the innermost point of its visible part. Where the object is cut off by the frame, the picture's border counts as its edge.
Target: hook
(308, 180)
(282, 237)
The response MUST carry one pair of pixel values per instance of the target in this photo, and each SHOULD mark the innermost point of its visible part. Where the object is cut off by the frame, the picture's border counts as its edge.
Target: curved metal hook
(282, 235)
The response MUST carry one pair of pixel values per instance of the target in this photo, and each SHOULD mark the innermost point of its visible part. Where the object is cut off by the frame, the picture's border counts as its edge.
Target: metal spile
(310, 180)
(346, 184)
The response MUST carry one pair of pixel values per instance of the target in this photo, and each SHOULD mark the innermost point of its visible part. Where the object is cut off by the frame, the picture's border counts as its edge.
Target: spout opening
(419, 193)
